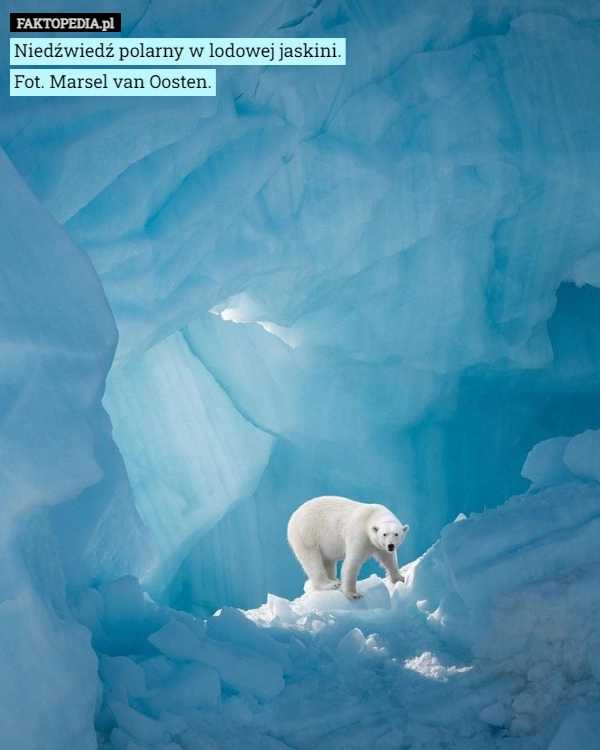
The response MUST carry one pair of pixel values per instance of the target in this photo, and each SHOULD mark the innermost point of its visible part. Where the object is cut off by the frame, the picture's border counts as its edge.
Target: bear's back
(336, 513)
(323, 516)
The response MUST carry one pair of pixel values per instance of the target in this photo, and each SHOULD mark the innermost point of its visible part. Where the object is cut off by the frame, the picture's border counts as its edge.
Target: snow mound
(564, 459)
(492, 640)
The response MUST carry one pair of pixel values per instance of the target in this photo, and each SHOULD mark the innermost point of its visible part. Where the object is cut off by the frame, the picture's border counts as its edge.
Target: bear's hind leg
(350, 570)
(330, 566)
(314, 567)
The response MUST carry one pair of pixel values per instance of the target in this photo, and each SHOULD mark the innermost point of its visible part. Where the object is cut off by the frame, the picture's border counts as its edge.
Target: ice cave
(379, 280)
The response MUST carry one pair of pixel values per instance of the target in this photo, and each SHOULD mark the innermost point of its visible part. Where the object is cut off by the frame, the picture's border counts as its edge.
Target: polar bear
(331, 528)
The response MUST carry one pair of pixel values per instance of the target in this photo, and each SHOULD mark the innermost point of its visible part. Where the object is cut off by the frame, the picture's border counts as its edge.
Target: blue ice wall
(66, 515)
(377, 280)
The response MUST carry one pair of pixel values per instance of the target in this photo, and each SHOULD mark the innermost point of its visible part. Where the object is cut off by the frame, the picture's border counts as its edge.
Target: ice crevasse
(379, 281)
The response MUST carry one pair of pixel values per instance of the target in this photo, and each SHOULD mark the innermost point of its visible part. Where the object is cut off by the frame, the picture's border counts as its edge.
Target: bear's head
(388, 535)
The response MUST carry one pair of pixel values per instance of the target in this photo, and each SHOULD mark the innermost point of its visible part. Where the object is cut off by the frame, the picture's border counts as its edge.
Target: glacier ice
(67, 515)
(544, 464)
(205, 453)
(381, 281)
(564, 459)
(371, 356)
(492, 642)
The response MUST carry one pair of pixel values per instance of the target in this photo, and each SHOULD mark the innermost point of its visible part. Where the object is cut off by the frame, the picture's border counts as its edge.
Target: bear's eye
(384, 533)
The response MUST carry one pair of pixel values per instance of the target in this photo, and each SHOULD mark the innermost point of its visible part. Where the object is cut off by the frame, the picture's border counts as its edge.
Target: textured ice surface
(564, 459)
(491, 643)
(408, 245)
(67, 515)
(545, 464)
(204, 454)
(380, 280)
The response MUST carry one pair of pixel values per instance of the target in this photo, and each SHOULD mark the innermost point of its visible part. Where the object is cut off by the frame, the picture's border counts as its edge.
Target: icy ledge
(492, 643)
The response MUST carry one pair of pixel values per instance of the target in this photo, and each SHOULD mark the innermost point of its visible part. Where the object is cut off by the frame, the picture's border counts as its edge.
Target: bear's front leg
(388, 560)
(350, 569)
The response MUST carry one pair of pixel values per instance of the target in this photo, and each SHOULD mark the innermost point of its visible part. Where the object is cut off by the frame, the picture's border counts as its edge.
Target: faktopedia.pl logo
(64, 22)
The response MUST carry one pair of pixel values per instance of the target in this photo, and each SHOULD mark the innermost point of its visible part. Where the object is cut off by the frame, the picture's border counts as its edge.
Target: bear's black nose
(391, 547)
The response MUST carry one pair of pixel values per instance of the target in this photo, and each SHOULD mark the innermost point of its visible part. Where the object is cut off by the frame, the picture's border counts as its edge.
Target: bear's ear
(375, 529)
(405, 528)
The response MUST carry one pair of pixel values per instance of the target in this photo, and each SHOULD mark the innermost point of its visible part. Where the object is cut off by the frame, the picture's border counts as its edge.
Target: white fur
(329, 528)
